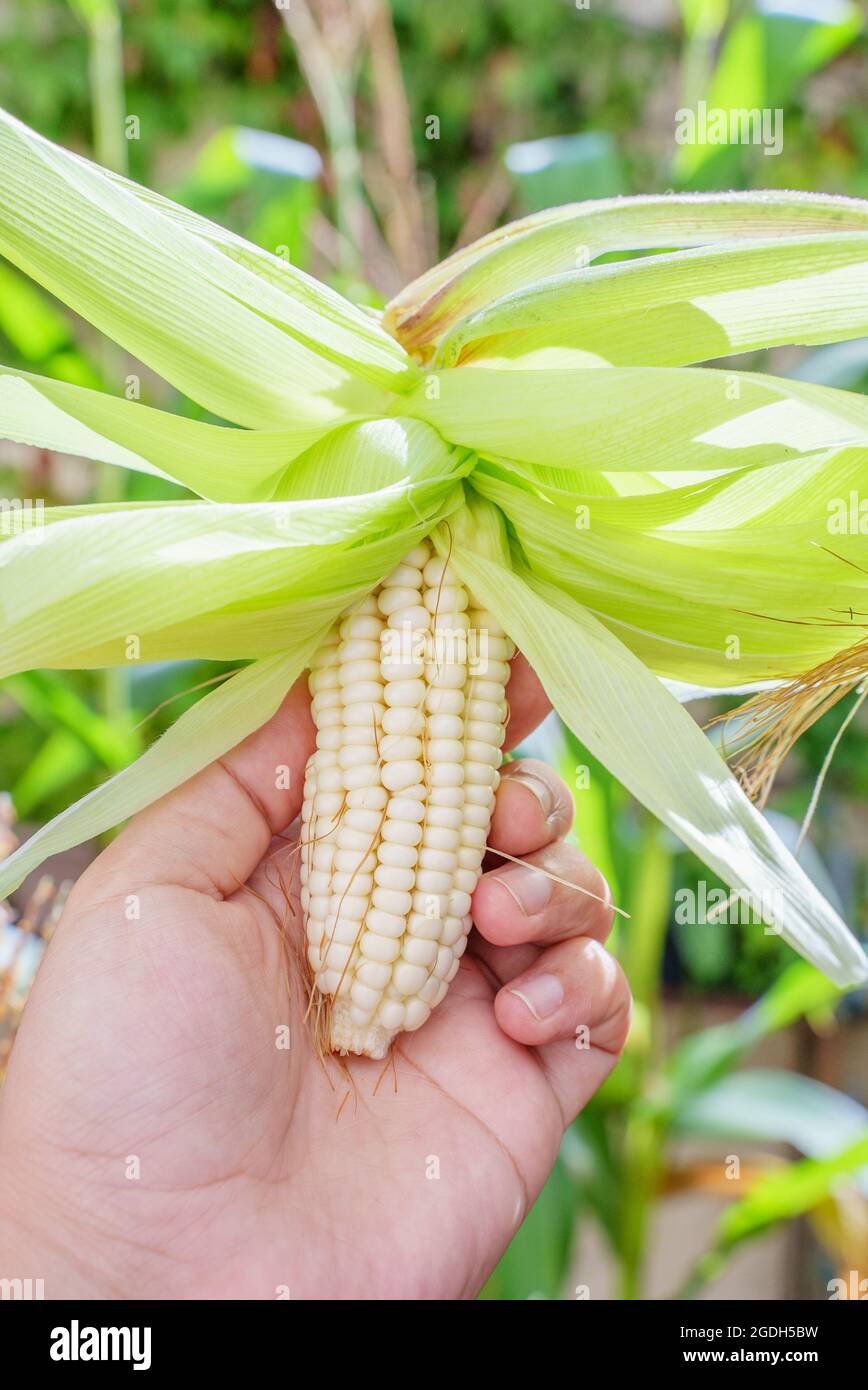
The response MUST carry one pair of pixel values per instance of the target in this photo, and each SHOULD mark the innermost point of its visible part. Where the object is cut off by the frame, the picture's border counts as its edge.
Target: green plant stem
(707, 1268)
(332, 84)
(645, 1133)
(642, 1158)
(108, 106)
(341, 129)
(108, 103)
(107, 87)
(649, 907)
(102, 19)
(703, 25)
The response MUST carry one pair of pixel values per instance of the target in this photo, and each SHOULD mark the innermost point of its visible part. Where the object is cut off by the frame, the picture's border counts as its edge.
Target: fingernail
(531, 888)
(543, 995)
(540, 788)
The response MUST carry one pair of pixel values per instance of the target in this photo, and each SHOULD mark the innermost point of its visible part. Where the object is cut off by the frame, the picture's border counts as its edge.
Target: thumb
(210, 833)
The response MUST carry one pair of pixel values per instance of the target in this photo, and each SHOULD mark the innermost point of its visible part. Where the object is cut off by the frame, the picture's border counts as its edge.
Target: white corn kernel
(444, 599)
(374, 974)
(398, 776)
(410, 576)
(407, 807)
(364, 693)
(416, 1013)
(392, 1015)
(452, 797)
(402, 832)
(422, 928)
(367, 798)
(400, 856)
(404, 720)
(359, 626)
(381, 948)
(441, 859)
(404, 693)
(420, 951)
(363, 820)
(363, 714)
(389, 924)
(408, 978)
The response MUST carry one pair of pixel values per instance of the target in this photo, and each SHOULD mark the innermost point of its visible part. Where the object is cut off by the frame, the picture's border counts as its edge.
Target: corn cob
(408, 696)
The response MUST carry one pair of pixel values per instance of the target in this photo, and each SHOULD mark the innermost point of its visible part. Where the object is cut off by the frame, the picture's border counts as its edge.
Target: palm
(265, 1169)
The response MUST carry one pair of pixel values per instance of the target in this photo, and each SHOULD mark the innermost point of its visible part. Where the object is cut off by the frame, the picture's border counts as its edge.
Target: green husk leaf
(720, 583)
(219, 463)
(570, 238)
(672, 310)
(664, 759)
(356, 338)
(680, 419)
(237, 345)
(191, 579)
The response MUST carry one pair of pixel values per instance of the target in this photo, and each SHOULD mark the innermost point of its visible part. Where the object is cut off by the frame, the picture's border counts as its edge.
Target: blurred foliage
(55, 744)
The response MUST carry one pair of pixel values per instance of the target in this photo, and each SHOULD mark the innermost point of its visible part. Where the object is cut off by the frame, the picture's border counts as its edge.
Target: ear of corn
(408, 695)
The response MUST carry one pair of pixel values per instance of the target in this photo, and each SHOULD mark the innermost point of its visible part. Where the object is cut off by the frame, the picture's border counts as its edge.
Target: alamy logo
(407, 646)
(701, 905)
(77, 1343)
(26, 1290)
(717, 125)
(848, 516)
(850, 1288)
(20, 516)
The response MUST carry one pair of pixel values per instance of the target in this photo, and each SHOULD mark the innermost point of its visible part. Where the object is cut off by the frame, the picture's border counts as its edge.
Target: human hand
(159, 1140)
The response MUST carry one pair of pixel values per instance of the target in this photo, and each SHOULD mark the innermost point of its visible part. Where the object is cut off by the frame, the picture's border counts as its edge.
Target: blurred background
(363, 140)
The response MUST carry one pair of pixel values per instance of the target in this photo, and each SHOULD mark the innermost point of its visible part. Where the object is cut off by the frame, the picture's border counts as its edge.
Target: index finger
(528, 702)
